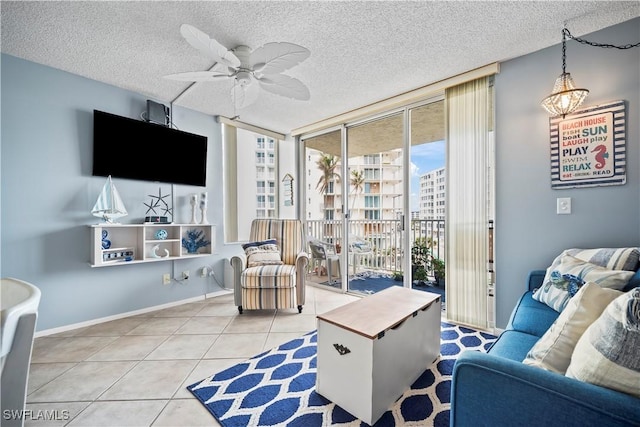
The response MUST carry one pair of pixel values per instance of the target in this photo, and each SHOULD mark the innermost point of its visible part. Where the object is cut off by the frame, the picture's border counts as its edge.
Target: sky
(424, 158)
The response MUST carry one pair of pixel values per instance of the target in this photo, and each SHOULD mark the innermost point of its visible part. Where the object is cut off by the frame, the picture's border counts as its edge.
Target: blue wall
(48, 193)
(529, 233)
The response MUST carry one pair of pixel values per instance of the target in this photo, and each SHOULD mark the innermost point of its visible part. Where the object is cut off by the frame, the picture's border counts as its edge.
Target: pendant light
(565, 98)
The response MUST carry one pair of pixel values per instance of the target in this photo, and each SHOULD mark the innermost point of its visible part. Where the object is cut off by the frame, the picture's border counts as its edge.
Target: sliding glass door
(324, 206)
(374, 166)
(372, 205)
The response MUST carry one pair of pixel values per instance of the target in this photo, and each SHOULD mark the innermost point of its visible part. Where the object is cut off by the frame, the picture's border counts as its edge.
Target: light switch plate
(563, 206)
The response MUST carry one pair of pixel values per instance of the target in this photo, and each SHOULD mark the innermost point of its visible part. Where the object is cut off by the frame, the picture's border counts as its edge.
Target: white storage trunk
(370, 351)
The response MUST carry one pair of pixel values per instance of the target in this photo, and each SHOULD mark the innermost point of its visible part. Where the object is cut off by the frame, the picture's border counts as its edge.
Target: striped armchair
(273, 286)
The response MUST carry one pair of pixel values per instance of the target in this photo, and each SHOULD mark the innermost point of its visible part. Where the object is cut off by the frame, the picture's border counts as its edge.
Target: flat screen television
(135, 149)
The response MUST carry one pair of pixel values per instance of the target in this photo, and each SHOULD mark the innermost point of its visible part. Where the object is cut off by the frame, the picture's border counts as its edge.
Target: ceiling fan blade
(285, 86)
(209, 46)
(274, 58)
(197, 76)
(245, 95)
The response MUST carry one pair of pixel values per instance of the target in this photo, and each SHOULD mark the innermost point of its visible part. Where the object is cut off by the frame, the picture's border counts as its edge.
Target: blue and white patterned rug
(277, 388)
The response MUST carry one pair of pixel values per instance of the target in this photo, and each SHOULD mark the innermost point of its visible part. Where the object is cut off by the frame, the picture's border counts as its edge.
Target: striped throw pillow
(607, 353)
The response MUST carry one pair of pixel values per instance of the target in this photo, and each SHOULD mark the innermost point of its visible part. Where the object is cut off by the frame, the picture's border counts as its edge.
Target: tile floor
(134, 371)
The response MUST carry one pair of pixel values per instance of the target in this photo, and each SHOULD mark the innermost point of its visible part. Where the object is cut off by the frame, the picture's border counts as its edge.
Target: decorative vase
(203, 208)
(194, 202)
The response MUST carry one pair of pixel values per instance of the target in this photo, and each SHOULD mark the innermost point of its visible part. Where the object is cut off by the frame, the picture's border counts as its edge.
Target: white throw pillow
(553, 350)
(260, 253)
(563, 280)
(607, 353)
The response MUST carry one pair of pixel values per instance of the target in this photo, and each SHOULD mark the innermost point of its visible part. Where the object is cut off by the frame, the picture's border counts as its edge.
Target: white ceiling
(361, 51)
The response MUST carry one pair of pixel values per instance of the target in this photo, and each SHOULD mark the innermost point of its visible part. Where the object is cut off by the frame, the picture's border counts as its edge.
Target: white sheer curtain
(468, 201)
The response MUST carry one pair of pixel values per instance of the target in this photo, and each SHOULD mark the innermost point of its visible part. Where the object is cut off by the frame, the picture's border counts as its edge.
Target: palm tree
(327, 164)
(357, 181)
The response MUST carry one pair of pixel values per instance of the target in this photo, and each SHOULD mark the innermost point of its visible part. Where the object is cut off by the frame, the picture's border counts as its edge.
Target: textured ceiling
(361, 52)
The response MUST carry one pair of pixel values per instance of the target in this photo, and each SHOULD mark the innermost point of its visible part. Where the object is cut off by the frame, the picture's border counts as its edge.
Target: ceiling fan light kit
(249, 70)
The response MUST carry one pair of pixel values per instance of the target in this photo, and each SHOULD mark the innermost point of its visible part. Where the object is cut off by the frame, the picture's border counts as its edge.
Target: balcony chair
(324, 252)
(271, 276)
(358, 247)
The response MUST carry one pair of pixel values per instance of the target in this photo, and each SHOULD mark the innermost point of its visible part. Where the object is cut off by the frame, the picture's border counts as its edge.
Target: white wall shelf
(136, 243)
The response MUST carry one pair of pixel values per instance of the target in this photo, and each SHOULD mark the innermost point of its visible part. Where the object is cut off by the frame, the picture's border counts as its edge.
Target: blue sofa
(497, 389)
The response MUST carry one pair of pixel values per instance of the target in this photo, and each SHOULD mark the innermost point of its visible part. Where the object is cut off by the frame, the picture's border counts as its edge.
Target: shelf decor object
(159, 202)
(154, 252)
(194, 202)
(106, 243)
(161, 234)
(203, 208)
(109, 205)
(194, 240)
(148, 242)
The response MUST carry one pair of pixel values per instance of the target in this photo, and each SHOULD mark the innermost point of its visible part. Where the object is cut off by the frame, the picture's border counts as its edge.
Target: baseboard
(218, 293)
(92, 322)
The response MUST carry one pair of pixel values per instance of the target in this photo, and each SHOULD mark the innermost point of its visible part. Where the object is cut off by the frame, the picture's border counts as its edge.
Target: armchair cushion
(264, 252)
(269, 276)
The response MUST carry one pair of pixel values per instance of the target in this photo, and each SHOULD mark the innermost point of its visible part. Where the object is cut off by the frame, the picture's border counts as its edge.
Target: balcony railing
(384, 236)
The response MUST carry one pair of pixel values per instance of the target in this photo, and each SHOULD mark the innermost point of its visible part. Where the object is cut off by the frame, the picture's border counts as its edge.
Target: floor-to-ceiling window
(250, 189)
(420, 203)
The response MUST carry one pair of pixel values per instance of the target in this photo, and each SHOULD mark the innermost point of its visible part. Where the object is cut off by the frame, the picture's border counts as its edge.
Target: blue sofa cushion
(634, 282)
(531, 316)
(513, 345)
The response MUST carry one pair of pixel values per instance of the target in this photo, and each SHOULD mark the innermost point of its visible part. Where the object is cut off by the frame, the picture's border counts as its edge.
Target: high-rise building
(377, 196)
(265, 163)
(433, 187)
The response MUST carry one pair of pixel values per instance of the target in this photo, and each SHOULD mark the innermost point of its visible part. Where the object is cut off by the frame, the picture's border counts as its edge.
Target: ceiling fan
(250, 70)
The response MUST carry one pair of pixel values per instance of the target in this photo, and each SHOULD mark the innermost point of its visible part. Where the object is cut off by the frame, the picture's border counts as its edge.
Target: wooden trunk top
(383, 310)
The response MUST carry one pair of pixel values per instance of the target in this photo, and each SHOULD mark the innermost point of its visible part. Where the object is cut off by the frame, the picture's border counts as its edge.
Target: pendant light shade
(565, 98)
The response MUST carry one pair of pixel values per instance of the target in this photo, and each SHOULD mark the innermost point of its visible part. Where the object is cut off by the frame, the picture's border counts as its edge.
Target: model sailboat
(109, 205)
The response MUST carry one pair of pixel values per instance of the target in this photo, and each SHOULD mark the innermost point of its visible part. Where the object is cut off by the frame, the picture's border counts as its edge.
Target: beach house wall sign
(588, 147)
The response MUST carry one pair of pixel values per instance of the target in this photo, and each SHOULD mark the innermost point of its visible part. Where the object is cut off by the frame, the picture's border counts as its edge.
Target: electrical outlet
(563, 205)
(204, 271)
(185, 275)
(166, 279)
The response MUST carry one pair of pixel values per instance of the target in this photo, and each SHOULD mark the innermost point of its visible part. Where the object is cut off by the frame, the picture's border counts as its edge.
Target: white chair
(358, 247)
(324, 252)
(19, 312)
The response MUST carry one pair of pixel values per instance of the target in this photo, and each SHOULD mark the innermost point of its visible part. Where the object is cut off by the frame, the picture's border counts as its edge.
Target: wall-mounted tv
(134, 149)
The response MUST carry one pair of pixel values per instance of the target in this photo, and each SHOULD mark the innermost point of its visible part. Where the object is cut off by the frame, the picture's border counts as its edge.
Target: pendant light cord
(566, 33)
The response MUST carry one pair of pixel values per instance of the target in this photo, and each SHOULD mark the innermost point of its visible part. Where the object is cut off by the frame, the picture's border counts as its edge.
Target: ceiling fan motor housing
(243, 76)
